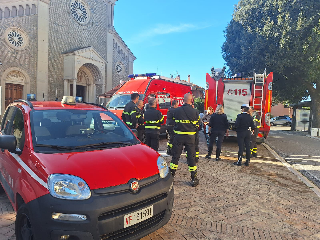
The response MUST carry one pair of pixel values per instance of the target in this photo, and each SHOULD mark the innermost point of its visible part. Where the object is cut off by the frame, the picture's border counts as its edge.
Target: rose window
(79, 11)
(15, 38)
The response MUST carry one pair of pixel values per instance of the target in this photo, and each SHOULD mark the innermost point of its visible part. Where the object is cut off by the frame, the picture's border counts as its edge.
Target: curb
(306, 181)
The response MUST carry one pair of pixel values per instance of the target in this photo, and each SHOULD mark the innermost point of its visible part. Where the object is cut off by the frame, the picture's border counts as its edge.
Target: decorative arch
(17, 77)
(84, 71)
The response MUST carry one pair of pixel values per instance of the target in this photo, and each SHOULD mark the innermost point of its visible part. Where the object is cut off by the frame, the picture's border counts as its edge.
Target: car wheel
(272, 124)
(24, 228)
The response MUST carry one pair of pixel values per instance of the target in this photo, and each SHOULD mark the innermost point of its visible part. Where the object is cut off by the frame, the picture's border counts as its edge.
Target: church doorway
(13, 92)
(80, 90)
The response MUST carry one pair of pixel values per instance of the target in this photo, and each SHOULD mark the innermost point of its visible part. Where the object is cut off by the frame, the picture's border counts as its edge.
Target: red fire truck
(233, 92)
(165, 90)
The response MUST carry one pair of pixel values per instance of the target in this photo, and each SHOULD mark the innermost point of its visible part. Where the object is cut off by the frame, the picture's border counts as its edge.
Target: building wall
(280, 110)
(43, 63)
(66, 35)
(19, 62)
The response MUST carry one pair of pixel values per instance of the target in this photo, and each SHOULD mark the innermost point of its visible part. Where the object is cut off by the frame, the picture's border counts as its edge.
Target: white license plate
(138, 216)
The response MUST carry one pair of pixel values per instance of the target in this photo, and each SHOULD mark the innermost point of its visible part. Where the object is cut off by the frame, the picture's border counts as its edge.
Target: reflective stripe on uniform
(186, 121)
(169, 144)
(151, 122)
(129, 113)
(152, 127)
(197, 154)
(173, 166)
(186, 133)
(192, 169)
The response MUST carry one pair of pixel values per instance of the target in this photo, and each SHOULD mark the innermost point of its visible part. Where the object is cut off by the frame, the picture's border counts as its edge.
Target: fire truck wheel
(24, 229)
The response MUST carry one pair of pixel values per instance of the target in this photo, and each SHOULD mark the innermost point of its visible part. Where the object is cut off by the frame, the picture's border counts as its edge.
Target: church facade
(53, 48)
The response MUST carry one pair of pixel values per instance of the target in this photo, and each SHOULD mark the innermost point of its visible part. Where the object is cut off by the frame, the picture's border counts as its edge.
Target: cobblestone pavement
(300, 150)
(262, 201)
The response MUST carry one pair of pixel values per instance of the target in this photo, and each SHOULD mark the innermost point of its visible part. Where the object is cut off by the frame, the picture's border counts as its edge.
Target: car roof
(46, 105)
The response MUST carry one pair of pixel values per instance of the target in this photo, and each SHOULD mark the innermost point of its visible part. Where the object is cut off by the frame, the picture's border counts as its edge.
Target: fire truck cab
(233, 92)
(165, 90)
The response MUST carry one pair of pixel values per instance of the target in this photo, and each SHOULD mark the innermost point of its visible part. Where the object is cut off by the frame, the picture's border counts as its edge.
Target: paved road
(262, 201)
(299, 150)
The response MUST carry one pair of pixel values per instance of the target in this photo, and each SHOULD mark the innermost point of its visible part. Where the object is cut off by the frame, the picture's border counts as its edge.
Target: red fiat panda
(75, 171)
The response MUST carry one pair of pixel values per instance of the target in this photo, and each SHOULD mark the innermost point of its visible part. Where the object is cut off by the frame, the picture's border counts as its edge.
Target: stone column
(43, 46)
(74, 87)
(66, 87)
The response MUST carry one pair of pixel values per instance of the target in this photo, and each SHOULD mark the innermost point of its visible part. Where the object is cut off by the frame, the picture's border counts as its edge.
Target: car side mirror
(8, 142)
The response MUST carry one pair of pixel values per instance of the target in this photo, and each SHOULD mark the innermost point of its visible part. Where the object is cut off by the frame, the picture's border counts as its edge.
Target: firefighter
(185, 128)
(170, 125)
(140, 117)
(153, 119)
(129, 114)
(244, 124)
(256, 120)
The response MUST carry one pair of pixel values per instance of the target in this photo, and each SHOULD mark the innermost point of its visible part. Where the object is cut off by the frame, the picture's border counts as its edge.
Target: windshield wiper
(55, 146)
(104, 144)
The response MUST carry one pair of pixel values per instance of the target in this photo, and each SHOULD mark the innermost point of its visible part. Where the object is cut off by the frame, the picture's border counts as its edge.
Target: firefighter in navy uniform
(185, 128)
(153, 119)
(256, 120)
(129, 114)
(244, 124)
(170, 124)
(140, 120)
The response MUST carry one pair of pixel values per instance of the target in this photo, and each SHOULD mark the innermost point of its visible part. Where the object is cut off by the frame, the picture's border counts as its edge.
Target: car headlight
(163, 167)
(68, 187)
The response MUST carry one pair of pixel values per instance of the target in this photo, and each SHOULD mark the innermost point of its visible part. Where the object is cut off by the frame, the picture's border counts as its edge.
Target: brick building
(53, 48)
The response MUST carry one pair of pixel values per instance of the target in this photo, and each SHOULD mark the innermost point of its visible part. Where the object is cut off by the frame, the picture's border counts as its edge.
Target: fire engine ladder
(258, 93)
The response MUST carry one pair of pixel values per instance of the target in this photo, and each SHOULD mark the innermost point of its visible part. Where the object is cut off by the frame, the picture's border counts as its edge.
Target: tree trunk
(315, 107)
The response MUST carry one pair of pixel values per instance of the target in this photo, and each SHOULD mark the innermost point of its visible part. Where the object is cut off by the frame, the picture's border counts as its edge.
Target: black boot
(208, 156)
(238, 163)
(194, 179)
(218, 151)
(247, 162)
(173, 172)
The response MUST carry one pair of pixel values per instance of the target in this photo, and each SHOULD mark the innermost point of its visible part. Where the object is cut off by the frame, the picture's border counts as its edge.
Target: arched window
(28, 10)
(33, 9)
(14, 12)
(21, 11)
(6, 12)
(0, 14)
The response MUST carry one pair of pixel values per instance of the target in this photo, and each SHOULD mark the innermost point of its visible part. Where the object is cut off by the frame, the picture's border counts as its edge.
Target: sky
(171, 37)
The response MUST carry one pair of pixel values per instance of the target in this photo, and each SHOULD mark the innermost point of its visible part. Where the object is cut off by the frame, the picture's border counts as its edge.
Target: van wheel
(24, 229)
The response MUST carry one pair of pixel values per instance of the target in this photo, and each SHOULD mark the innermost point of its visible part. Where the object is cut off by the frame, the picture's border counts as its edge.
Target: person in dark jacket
(244, 125)
(218, 126)
(153, 119)
(256, 120)
(129, 114)
(186, 124)
(140, 119)
(170, 124)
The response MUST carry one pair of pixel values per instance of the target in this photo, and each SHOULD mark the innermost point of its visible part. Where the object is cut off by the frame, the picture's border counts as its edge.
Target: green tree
(282, 36)
(199, 104)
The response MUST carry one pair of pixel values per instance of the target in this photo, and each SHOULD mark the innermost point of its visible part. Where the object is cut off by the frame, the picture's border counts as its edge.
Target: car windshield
(120, 100)
(70, 129)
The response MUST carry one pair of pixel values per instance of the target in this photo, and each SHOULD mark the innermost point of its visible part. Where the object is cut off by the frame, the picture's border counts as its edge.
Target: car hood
(103, 168)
